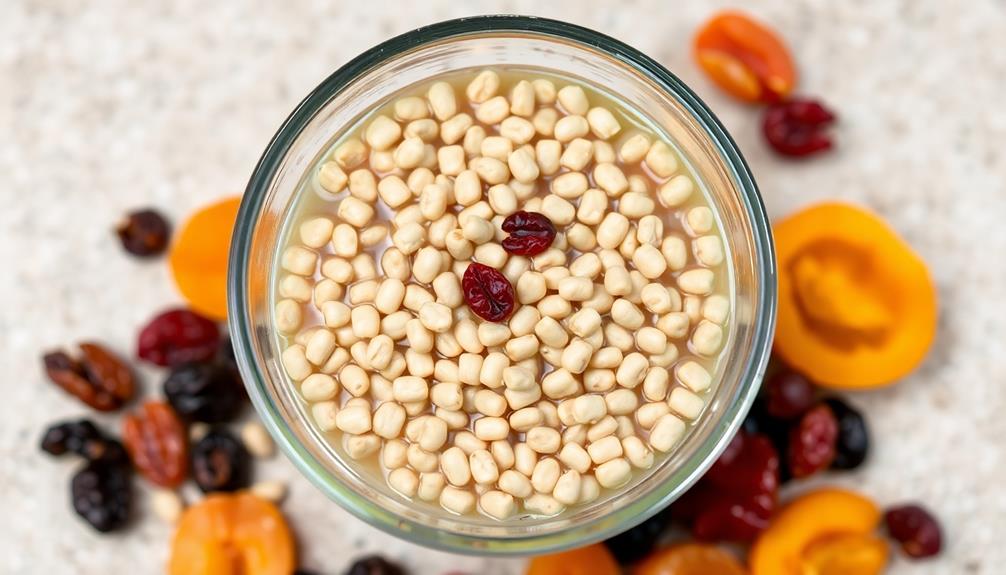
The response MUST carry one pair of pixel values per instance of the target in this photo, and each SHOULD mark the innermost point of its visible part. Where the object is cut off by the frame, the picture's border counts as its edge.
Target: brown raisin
(144, 233)
(99, 378)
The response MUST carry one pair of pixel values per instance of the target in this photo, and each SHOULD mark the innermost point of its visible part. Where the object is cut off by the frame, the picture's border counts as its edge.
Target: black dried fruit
(853, 443)
(208, 392)
(82, 438)
(220, 463)
(758, 421)
(788, 395)
(634, 544)
(915, 529)
(144, 233)
(374, 565)
(102, 494)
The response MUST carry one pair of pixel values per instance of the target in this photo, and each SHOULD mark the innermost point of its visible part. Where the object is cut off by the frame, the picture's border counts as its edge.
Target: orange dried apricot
(745, 58)
(817, 534)
(846, 555)
(199, 255)
(232, 534)
(690, 559)
(857, 307)
(590, 560)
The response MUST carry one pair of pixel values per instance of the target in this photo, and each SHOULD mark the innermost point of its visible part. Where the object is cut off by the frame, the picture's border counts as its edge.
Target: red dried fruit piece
(178, 336)
(796, 127)
(531, 233)
(788, 395)
(155, 440)
(812, 442)
(734, 518)
(99, 379)
(915, 529)
(144, 233)
(735, 499)
(487, 292)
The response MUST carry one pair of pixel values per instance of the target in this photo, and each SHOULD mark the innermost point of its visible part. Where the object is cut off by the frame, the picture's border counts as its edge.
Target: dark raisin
(220, 463)
(812, 442)
(374, 565)
(797, 127)
(102, 494)
(178, 336)
(487, 292)
(208, 392)
(144, 233)
(635, 543)
(915, 529)
(531, 233)
(82, 438)
(788, 395)
(853, 444)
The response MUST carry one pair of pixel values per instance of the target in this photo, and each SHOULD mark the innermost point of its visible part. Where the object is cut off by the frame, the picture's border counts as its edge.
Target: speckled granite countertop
(107, 105)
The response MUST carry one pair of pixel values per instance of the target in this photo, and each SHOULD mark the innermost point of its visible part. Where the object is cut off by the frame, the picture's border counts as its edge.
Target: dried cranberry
(487, 292)
(374, 565)
(853, 442)
(759, 422)
(144, 233)
(178, 336)
(734, 518)
(915, 529)
(812, 442)
(208, 392)
(735, 499)
(530, 233)
(635, 543)
(749, 466)
(102, 494)
(220, 463)
(82, 438)
(796, 127)
(788, 395)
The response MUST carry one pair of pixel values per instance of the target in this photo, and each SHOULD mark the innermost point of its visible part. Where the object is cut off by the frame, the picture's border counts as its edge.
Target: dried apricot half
(690, 559)
(857, 307)
(232, 534)
(590, 560)
(745, 58)
(199, 256)
(824, 532)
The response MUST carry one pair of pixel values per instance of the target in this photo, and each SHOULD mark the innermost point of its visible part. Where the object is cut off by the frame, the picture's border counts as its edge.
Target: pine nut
(319, 387)
(638, 454)
(660, 159)
(442, 100)
(573, 100)
(545, 475)
(430, 486)
(707, 338)
(666, 433)
(543, 439)
(491, 428)
(331, 178)
(569, 128)
(459, 501)
(697, 281)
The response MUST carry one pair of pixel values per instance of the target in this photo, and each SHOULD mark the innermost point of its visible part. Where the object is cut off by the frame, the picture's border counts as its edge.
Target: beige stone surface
(107, 105)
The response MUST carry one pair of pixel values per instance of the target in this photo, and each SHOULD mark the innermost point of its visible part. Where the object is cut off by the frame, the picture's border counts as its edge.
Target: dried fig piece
(99, 378)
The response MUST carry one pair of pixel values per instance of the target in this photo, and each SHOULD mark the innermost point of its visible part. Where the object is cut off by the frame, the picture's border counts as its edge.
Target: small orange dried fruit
(815, 531)
(745, 58)
(857, 307)
(232, 534)
(846, 555)
(199, 257)
(590, 560)
(690, 559)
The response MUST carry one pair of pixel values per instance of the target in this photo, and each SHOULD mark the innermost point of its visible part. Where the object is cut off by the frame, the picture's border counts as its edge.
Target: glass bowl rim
(240, 325)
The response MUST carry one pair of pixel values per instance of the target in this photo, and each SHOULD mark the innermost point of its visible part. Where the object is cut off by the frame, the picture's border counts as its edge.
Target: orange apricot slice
(745, 58)
(198, 258)
(590, 560)
(232, 534)
(690, 559)
(811, 530)
(857, 307)
(846, 555)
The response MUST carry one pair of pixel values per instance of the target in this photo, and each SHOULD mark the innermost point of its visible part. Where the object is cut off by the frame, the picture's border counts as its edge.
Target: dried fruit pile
(750, 62)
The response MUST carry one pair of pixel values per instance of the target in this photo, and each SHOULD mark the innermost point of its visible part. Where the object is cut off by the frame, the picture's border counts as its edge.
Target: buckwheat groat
(505, 293)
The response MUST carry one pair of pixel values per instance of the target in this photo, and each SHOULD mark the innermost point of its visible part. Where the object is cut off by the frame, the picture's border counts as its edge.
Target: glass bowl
(524, 42)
